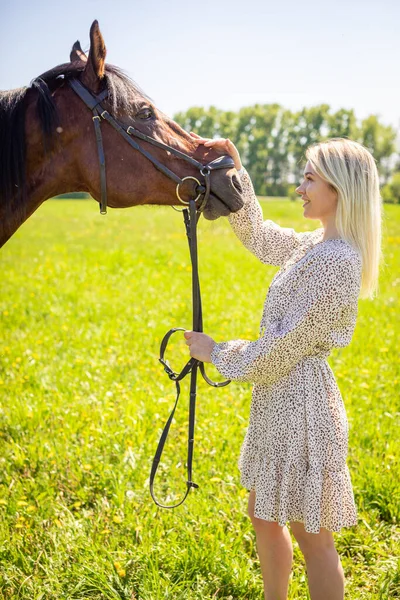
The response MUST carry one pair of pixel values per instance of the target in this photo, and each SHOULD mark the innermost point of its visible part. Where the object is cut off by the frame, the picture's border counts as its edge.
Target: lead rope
(190, 220)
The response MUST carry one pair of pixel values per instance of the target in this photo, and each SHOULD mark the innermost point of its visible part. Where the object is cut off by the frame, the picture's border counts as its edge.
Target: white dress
(295, 448)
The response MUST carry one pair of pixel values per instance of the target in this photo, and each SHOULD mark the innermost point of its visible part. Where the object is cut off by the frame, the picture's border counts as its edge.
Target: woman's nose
(298, 190)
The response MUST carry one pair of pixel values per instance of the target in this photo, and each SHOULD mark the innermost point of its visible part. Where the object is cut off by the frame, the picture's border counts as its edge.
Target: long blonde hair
(351, 170)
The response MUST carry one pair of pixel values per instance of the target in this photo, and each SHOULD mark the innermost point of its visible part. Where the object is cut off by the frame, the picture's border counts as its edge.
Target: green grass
(85, 301)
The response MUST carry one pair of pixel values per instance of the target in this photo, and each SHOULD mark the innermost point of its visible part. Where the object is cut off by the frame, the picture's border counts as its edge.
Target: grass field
(85, 301)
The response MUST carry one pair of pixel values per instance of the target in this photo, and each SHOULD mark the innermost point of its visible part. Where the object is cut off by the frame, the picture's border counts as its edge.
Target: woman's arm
(269, 242)
(322, 315)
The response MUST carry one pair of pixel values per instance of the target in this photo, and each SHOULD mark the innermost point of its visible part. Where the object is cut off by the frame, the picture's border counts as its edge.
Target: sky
(224, 53)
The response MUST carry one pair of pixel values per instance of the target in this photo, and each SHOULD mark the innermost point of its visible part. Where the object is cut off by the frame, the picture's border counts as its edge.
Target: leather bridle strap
(92, 103)
(102, 162)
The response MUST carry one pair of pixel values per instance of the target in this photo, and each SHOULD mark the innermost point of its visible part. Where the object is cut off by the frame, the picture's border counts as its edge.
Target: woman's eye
(145, 114)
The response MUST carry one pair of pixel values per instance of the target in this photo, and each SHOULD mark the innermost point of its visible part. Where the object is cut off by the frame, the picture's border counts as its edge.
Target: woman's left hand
(200, 345)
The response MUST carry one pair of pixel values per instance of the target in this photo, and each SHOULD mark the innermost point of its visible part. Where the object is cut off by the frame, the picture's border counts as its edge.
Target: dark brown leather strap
(191, 220)
(102, 162)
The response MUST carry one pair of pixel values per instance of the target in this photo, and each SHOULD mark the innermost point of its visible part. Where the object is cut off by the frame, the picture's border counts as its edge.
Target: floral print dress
(295, 448)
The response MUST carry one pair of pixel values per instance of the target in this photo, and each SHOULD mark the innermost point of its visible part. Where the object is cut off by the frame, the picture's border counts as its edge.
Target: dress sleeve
(269, 242)
(322, 315)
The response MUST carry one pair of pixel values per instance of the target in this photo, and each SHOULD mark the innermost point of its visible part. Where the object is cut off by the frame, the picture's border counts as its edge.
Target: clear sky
(222, 52)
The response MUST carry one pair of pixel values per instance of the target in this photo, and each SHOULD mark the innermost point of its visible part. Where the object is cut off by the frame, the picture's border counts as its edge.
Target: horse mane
(122, 94)
(12, 145)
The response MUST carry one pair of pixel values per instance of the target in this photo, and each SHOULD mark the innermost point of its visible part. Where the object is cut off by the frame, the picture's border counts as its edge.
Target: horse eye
(145, 114)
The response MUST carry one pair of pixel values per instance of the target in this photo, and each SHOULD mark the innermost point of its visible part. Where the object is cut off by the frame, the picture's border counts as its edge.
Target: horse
(48, 145)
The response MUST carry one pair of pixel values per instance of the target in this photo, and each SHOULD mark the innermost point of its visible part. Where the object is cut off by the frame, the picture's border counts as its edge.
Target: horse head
(49, 144)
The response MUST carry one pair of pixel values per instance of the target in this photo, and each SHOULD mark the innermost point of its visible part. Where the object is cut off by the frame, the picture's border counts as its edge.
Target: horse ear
(77, 54)
(94, 70)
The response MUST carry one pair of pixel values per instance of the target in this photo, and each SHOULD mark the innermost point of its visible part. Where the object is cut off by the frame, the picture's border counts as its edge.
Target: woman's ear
(332, 189)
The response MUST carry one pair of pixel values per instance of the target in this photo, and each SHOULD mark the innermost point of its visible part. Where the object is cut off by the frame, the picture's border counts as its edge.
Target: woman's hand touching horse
(222, 144)
(200, 345)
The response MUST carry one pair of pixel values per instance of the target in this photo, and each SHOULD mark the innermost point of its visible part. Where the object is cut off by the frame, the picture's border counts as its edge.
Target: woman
(293, 458)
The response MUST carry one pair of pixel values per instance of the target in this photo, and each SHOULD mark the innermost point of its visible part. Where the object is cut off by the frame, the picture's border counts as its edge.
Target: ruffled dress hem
(295, 491)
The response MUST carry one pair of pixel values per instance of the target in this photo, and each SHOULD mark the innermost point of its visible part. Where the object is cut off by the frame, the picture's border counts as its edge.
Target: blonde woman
(293, 458)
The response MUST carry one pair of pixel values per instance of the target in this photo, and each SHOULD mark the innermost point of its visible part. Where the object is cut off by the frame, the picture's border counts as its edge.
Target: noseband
(191, 218)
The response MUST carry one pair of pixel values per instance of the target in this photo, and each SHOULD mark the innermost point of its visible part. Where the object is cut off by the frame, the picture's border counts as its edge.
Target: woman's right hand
(221, 144)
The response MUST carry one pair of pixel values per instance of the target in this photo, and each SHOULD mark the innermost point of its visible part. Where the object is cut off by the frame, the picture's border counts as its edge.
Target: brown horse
(48, 145)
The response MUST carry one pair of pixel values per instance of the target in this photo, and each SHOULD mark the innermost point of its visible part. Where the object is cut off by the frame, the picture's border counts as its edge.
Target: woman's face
(320, 200)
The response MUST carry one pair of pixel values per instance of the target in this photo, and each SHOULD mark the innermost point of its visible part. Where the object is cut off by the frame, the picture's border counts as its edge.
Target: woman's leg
(275, 551)
(324, 569)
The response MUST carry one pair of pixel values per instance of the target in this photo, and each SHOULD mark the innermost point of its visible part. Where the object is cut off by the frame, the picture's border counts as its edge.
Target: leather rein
(191, 216)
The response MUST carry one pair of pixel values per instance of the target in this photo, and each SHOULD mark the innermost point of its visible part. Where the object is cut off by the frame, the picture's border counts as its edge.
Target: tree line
(272, 141)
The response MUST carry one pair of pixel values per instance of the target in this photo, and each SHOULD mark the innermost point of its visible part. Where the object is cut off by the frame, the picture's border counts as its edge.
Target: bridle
(190, 220)
(99, 113)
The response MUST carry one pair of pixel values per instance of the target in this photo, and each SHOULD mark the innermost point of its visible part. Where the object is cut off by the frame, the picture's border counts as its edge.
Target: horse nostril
(236, 183)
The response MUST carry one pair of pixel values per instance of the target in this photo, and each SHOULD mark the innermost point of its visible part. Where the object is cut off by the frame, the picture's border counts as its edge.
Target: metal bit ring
(177, 189)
